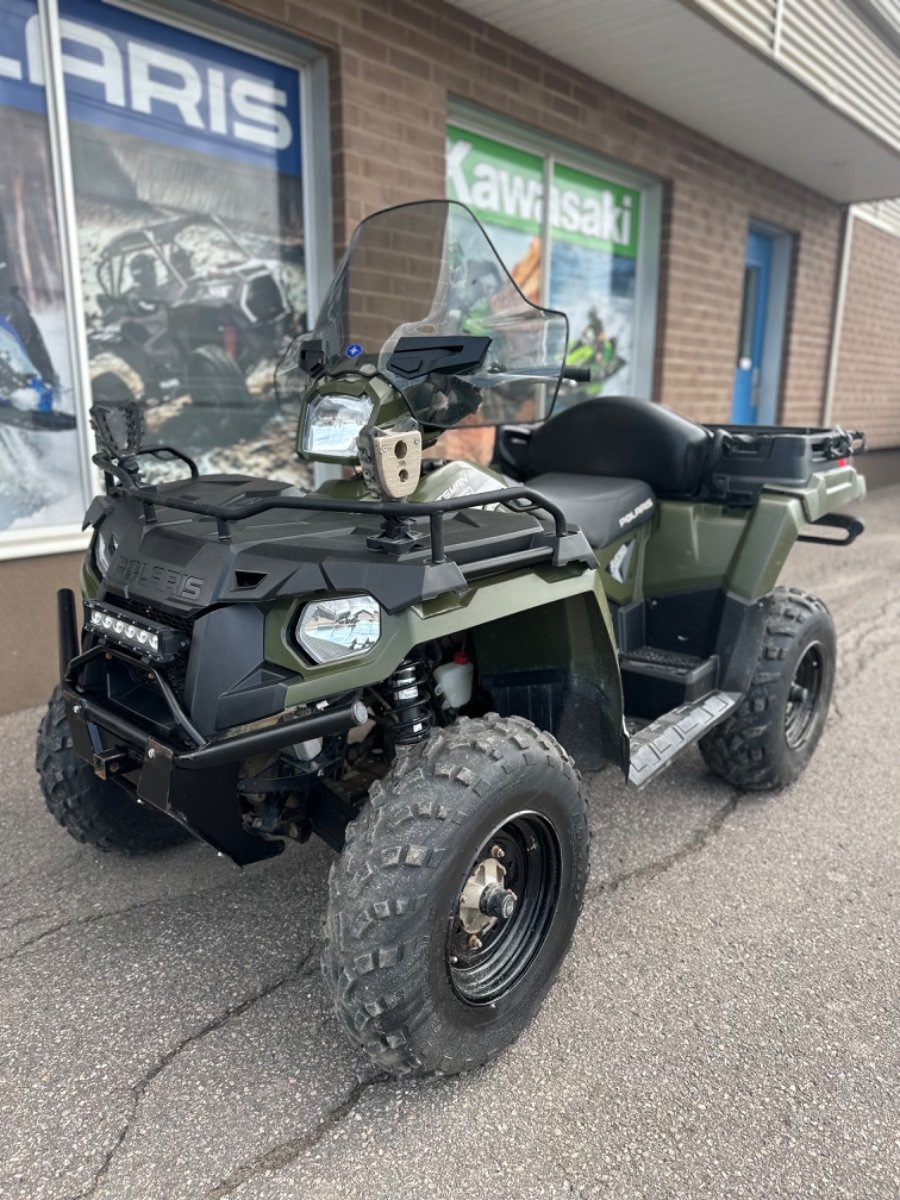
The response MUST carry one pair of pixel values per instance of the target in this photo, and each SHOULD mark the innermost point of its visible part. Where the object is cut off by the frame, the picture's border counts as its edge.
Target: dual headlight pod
(343, 627)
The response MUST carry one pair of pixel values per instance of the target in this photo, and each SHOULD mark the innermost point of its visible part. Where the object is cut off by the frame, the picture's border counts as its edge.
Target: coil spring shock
(408, 697)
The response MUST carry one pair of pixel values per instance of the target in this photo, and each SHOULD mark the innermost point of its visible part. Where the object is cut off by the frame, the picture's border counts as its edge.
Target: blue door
(757, 269)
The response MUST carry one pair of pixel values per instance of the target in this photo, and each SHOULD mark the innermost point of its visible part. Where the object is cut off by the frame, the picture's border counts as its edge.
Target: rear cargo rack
(746, 458)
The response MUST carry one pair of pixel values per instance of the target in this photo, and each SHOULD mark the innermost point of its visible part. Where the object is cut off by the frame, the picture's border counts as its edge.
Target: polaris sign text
(191, 92)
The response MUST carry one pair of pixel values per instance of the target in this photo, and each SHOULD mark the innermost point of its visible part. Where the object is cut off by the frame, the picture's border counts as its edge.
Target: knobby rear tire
(768, 741)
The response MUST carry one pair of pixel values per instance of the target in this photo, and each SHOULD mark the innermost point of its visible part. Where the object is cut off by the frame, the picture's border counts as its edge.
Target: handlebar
(548, 374)
(577, 374)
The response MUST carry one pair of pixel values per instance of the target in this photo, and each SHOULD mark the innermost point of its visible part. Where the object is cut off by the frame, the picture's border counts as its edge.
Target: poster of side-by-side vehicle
(187, 173)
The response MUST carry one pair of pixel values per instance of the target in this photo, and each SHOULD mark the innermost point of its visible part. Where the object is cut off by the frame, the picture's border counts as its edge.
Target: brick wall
(867, 385)
(397, 61)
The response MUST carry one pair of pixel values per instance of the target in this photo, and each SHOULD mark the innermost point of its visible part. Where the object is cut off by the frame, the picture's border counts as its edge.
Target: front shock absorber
(407, 696)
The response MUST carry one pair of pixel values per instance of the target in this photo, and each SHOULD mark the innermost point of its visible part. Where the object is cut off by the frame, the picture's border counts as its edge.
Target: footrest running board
(658, 744)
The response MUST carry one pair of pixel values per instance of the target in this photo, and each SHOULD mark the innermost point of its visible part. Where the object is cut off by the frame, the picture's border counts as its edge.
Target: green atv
(414, 661)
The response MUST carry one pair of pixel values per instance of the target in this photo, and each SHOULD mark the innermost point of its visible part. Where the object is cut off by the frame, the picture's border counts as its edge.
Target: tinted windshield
(428, 272)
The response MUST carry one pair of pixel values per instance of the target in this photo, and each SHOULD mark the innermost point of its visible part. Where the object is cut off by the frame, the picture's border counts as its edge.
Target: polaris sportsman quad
(413, 663)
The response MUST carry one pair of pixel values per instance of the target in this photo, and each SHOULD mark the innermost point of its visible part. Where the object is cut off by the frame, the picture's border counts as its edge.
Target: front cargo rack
(569, 544)
(746, 458)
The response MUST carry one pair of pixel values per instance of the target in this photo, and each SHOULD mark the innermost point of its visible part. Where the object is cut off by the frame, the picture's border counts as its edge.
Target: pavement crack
(280, 1156)
(139, 1089)
(40, 874)
(698, 840)
(107, 914)
(859, 646)
(9, 926)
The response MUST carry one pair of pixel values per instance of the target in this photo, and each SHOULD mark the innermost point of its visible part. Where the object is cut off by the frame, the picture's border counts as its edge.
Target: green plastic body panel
(457, 479)
(693, 546)
(451, 479)
(486, 602)
(387, 406)
(630, 586)
(90, 584)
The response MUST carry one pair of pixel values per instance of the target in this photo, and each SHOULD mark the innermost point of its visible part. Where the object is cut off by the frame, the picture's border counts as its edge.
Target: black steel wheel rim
(533, 863)
(804, 694)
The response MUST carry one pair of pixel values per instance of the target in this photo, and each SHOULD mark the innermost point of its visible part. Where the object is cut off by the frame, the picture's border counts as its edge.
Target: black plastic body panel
(571, 707)
(556, 665)
(653, 688)
(182, 561)
(228, 681)
(720, 630)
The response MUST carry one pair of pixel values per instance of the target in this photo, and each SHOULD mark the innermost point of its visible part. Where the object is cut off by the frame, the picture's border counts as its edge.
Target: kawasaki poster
(593, 252)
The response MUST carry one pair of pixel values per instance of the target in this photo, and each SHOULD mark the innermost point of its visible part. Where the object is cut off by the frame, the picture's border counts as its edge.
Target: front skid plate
(204, 801)
(659, 743)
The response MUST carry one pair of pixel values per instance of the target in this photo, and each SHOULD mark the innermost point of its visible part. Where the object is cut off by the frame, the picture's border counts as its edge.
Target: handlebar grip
(577, 374)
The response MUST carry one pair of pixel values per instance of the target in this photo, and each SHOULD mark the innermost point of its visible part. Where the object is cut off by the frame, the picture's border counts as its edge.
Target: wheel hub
(485, 899)
(803, 696)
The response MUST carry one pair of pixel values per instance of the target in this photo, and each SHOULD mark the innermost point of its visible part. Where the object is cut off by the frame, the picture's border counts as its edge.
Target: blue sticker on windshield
(353, 350)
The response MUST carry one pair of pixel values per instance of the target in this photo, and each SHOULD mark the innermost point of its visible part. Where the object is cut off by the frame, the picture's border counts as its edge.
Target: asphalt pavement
(726, 1024)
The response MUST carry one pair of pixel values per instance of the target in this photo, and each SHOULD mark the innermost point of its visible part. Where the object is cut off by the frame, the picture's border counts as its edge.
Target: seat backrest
(624, 438)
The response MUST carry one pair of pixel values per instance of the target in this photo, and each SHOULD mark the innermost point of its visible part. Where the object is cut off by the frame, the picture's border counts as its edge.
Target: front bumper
(196, 786)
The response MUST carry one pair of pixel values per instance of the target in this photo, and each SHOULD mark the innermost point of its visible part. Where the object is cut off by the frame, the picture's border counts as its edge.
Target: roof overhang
(673, 58)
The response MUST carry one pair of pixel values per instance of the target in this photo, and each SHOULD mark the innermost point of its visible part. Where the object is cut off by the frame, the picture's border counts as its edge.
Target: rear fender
(701, 545)
(778, 519)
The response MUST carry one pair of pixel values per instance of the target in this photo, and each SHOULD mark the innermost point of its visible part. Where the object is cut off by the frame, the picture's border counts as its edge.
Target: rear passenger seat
(606, 460)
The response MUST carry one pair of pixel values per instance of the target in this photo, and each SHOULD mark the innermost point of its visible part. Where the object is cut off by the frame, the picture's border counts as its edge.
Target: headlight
(329, 630)
(333, 423)
(104, 549)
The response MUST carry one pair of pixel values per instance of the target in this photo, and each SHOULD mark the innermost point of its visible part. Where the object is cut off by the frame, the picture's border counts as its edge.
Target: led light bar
(146, 638)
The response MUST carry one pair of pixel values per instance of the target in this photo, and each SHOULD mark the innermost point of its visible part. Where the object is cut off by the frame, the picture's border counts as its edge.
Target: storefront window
(594, 231)
(188, 183)
(504, 187)
(40, 473)
(191, 189)
(592, 267)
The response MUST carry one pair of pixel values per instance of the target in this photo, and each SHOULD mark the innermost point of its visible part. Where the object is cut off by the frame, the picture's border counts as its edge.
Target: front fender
(548, 633)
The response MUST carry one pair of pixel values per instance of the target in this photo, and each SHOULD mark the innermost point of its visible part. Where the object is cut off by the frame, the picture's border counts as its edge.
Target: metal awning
(683, 62)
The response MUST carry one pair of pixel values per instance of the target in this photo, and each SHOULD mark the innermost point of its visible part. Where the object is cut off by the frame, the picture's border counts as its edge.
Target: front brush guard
(198, 786)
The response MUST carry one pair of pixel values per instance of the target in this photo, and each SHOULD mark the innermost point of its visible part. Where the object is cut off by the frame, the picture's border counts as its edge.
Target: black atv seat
(626, 439)
(604, 509)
